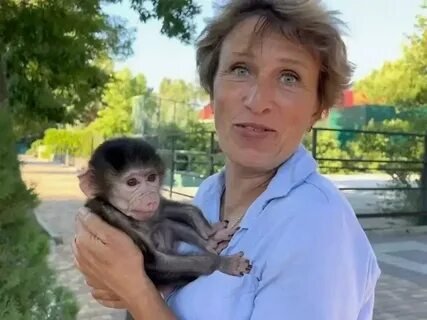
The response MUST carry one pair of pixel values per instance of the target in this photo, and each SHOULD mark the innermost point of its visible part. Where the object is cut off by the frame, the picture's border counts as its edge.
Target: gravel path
(57, 187)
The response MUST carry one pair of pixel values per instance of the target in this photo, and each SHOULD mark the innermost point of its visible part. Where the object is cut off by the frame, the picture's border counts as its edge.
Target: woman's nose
(259, 98)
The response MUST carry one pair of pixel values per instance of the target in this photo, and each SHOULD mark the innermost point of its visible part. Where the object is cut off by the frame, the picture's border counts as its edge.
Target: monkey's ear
(87, 182)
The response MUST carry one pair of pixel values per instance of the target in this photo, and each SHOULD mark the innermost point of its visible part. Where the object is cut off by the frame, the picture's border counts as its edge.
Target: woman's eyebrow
(293, 61)
(284, 60)
(243, 54)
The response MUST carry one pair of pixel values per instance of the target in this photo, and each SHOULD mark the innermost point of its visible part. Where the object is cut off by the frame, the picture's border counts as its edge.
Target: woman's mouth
(253, 130)
(254, 127)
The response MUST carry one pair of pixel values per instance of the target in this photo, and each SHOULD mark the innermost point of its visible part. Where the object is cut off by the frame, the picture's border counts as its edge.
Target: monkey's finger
(234, 229)
(221, 246)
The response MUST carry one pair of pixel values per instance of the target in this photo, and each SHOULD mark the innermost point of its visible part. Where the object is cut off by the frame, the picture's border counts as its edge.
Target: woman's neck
(242, 187)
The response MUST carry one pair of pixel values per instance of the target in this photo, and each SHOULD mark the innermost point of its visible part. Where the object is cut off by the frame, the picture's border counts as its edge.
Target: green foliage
(28, 290)
(115, 117)
(52, 50)
(74, 142)
(177, 16)
(403, 81)
(388, 147)
(178, 100)
(57, 52)
(327, 147)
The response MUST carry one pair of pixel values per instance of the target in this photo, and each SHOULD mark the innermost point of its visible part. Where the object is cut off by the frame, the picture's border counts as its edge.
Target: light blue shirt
(311, 258)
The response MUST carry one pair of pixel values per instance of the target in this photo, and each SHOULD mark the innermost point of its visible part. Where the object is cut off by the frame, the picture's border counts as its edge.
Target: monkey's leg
(183, 232)
(190, 215)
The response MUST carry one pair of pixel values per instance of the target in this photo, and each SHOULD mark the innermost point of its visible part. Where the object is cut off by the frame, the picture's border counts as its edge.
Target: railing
(395, 186)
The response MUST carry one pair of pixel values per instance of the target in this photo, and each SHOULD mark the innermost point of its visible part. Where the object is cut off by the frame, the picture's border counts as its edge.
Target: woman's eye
(152, 177)
(240, 71)
(289, 78)
(132, 182)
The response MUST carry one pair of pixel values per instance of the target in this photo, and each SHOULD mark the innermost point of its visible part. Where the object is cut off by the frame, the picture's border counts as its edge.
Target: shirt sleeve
(320, 273)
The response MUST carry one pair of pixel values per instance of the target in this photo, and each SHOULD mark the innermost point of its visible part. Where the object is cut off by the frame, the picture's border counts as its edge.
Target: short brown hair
(303, 21)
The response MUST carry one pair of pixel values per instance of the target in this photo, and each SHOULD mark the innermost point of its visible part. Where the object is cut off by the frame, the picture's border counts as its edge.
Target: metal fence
(383, 174)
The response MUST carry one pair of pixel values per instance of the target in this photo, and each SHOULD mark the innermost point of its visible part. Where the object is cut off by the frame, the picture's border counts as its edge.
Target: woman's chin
(254, 160)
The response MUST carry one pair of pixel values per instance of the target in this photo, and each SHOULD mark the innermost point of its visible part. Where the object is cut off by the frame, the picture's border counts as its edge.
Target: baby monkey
(123, 182)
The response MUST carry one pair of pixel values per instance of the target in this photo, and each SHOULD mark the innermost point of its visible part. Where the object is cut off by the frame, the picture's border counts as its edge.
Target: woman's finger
(90, 248)
(94, 282)
(112, 304)
(104, 294)
(95, 225)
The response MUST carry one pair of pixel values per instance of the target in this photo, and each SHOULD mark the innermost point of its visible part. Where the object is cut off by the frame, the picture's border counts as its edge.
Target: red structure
(206, 114)
(351, 98)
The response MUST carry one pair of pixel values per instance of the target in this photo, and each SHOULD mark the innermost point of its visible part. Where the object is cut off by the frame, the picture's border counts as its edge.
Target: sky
(376, 31)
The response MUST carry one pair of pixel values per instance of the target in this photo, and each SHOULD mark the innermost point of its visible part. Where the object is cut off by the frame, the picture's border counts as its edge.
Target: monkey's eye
(152, 177)
(132, 182)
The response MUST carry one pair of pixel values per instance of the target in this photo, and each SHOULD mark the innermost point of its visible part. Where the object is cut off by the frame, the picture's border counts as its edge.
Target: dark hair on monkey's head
(117, 155)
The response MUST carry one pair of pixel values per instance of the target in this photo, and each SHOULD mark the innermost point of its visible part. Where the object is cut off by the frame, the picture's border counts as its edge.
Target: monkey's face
(137, 193)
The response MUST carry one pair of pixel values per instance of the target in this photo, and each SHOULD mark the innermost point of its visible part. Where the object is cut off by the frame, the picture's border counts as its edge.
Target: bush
(388, 147)
(74, 142)
(328, 147)
(27, 286)
(370, 146)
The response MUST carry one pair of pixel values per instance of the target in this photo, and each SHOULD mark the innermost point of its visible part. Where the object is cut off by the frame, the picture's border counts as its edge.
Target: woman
(271, 69)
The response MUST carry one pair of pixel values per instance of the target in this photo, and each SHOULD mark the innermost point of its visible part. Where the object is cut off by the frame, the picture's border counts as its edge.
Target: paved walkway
(401, 293)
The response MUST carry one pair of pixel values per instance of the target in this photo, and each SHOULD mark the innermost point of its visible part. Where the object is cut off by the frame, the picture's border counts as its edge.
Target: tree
(116, 116)
(178, 101)
(403, 81)
(176, 16)
(51, 52)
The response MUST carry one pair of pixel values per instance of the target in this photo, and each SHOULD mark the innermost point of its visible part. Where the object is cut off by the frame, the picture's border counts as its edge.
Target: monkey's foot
(235, 265)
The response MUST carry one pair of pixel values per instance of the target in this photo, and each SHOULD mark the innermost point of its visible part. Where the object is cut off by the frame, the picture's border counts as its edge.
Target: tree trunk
(3, 83)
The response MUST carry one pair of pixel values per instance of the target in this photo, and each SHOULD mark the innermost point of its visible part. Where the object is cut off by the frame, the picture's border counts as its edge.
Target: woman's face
(264, 97)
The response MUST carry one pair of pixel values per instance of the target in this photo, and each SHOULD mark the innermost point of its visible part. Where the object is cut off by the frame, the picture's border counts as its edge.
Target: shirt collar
(291, 173)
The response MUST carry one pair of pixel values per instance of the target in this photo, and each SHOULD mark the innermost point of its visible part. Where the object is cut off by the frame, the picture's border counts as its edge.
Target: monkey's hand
(222, 236)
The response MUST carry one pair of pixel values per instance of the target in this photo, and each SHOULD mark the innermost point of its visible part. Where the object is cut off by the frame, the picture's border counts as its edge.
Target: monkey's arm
(188, 214)
(183, 232)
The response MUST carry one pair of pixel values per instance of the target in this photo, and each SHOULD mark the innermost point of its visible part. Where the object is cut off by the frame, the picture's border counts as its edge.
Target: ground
(401, 292)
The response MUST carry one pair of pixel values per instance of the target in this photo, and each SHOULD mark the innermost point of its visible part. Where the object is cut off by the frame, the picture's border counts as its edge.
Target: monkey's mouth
(141, 215)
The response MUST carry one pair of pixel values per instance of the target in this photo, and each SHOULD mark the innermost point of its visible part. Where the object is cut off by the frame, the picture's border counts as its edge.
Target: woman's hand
(110, 261)
(103, 294)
